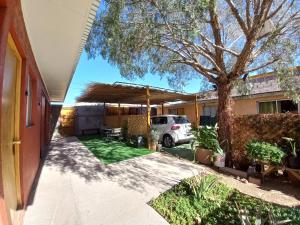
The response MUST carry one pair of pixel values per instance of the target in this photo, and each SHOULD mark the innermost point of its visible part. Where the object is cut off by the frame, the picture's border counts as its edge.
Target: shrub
(265, 152)
(207, 137)
(201, 185)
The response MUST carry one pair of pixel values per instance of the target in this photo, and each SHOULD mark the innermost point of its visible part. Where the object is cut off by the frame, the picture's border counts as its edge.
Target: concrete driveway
(74, 188)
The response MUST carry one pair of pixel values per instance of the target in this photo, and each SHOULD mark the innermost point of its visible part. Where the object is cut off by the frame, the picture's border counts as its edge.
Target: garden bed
(180, 206)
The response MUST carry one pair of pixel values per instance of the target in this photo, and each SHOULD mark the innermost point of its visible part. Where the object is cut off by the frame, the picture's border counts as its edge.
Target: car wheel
(168, 141)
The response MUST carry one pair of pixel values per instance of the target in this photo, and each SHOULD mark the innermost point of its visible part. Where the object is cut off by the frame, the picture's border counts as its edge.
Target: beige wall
(240, 106)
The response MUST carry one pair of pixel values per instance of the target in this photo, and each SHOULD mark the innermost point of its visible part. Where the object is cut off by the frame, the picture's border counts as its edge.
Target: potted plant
(264, 152)
(154, 138)
(207, 146)
(294, 157)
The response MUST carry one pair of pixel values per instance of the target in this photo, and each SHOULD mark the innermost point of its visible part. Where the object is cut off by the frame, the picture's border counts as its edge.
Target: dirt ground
(275, 190)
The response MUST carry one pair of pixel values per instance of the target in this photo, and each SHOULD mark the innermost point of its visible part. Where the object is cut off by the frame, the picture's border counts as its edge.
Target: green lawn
(183, 151)
(111, 151)
(180, 206)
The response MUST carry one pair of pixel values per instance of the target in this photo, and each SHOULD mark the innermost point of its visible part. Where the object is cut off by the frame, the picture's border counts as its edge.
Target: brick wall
(265, 127)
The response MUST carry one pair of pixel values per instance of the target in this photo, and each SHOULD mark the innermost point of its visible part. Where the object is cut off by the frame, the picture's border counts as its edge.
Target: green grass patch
(111, 151)
(183, 151)
(180, 206)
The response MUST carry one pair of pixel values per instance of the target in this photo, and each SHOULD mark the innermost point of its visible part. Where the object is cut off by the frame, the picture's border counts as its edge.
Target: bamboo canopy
(131, 94)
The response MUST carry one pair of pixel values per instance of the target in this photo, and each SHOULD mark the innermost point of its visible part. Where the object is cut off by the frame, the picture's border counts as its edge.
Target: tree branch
(262, 66)
(238, 17)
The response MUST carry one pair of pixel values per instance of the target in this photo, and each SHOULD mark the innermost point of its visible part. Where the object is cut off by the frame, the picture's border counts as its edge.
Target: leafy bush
(201, 185)
(207, 137)
(154, 134)
(270, 219)
(265, 152)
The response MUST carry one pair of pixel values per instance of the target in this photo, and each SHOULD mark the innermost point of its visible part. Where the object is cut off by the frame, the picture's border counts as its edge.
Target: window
(209, 117)
(159, 120)
(29, 102)
(282, 106)
(210, 111)
(180, 119)
(176, 111)
(172, 111)
(267, 107)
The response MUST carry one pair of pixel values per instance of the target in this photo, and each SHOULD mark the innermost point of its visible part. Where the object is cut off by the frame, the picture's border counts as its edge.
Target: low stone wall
(137, 125)
(264, 127)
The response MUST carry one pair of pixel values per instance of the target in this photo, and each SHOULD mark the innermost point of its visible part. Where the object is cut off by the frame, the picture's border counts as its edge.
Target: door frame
(12, 45)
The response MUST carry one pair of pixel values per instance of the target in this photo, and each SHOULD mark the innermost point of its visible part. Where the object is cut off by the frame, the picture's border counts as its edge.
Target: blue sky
(99, 70)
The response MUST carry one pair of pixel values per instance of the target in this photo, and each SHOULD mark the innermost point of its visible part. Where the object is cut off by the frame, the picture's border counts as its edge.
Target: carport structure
(128, 93)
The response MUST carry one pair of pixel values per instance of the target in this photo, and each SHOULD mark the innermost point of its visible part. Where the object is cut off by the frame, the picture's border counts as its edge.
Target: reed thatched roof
(130, 94)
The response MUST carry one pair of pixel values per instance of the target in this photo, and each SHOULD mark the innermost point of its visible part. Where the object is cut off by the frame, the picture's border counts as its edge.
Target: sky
(99, 70)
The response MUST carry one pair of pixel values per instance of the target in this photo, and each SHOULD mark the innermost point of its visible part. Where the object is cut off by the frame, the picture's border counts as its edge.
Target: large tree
(220, 40)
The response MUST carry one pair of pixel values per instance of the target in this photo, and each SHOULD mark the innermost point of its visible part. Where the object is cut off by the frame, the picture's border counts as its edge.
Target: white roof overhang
(57, 30)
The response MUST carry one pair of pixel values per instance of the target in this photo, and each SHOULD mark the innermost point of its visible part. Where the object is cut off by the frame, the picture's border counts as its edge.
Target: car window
(155, 120)
(180, 119)
(163, 120)
(159, 120)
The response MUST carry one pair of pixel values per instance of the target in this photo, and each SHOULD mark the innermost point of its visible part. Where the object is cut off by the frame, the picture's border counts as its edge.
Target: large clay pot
(204, 156)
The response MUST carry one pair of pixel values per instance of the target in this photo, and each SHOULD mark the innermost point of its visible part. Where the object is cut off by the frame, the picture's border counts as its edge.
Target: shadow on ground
(68, 155)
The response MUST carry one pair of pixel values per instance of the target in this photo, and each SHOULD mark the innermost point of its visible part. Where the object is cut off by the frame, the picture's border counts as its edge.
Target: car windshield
(180, 119)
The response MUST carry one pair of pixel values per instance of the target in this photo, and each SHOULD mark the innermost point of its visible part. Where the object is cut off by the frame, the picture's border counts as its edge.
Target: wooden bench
(112, 132)
(267, 169)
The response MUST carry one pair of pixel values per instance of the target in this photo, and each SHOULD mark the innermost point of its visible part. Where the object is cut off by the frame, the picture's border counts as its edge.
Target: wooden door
(43, 125)
(10, 129)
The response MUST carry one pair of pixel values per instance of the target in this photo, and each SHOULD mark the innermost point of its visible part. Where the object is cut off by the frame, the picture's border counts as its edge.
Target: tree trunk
(225, 118)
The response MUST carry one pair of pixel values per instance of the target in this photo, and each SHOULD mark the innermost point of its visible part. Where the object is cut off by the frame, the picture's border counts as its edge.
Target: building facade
(264, 96)
(35, 69)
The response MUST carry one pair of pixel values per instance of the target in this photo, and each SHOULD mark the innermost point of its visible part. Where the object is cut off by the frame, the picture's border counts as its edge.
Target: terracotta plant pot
(153, 146)
(219, 160)
(158, 147)
(204, 156)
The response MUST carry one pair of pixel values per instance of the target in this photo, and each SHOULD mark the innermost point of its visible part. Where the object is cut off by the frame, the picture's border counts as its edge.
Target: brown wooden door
(43, 125)
(9, 134)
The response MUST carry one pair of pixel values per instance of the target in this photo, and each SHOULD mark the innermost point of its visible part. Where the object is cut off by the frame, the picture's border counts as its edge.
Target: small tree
(220, 40)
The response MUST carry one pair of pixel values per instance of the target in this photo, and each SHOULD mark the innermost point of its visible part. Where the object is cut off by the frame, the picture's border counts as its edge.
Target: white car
(172, 129)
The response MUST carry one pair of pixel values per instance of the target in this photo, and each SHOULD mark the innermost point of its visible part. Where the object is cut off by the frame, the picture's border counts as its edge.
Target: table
(272, 168)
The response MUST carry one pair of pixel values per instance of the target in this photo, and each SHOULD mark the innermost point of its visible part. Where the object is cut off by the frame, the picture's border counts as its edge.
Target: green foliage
(130, 33)
(292, 143)
(201, 185)
(181, 207)
(207, 137)
(259, 219)
(265, 152)
(154, 135)
(111, 151)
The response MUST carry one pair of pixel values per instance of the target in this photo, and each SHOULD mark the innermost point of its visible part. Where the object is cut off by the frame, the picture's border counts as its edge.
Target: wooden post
(196, 111)
(119, 115)
(148, 116)
(162, 108)
(141, 109)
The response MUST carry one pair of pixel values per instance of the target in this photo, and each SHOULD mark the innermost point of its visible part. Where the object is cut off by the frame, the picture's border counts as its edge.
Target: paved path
(74, 188)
